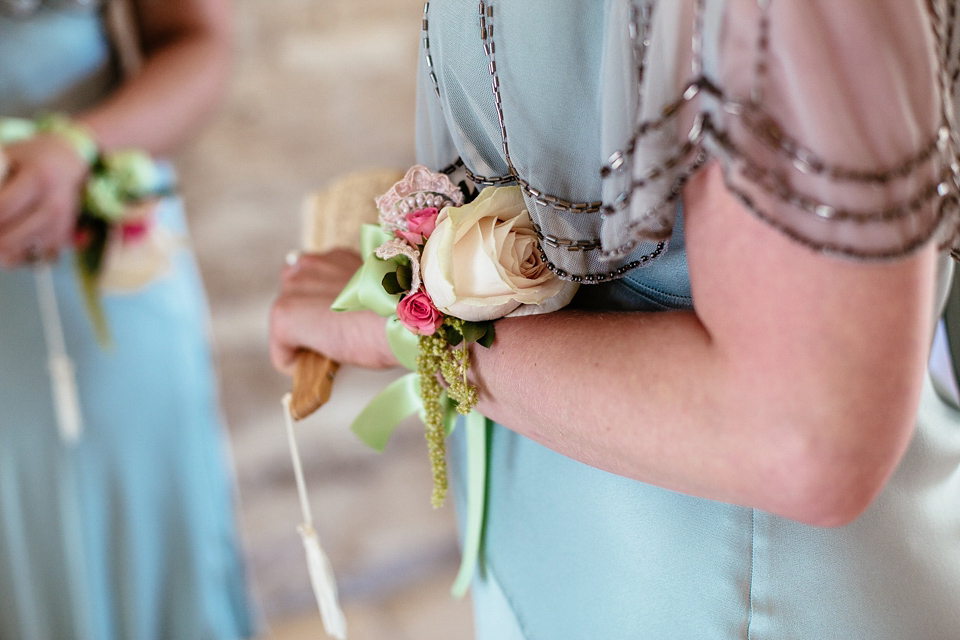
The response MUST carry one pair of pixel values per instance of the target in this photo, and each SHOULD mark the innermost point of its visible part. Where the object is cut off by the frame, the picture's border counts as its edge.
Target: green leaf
(473, 331)
(469, 195)
(90, 289)
(488, 337)
(451, 335)
(391, 284)
(405, 276)
(95, 233)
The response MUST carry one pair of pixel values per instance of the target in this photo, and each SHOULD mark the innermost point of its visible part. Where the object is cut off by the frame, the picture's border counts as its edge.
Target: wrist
(77, 136)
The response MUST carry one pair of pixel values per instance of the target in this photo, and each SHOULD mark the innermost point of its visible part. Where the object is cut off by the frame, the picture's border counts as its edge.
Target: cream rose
(483, 261)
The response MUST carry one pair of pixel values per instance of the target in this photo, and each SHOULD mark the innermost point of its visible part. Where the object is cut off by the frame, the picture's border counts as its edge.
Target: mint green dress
(130, 533)
(600, 110)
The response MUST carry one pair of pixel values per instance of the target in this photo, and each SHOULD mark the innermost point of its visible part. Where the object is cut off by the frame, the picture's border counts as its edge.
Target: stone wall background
(321, 87)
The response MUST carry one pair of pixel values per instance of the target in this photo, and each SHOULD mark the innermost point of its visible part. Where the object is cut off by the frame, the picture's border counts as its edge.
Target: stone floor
(321, 87)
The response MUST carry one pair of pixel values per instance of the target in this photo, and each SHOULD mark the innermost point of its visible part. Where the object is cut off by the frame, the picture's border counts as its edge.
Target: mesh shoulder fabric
(834, 121)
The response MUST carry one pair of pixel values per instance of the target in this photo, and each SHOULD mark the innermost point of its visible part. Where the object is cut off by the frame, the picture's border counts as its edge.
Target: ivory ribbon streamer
(63, 380)
(318, 565)
(401, 399)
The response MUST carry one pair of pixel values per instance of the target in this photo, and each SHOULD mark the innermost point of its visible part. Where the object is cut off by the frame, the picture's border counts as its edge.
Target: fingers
(296, 322)
(301, 317)
(18, 196)
(320, 274)
(39, 201)
(41, 233)
(281, 349)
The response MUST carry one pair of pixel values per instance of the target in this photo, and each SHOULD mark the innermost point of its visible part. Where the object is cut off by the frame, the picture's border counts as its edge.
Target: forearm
(654, 398)
(642, 395)
(181, 82)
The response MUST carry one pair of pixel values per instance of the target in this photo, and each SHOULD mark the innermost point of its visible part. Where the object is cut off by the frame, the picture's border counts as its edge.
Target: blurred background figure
(321, 88)
(129, 532)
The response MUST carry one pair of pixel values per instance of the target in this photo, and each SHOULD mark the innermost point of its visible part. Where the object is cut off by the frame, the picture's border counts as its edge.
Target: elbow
(829, 507)
(824, 499)
(833, 484)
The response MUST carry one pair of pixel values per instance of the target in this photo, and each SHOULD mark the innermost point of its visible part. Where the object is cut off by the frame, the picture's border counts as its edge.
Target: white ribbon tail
(66, 398)
(318, 565)
(63, 380)
(324, 584)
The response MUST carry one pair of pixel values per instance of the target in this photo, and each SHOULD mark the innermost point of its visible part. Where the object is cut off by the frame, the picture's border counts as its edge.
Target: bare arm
(793, 388)
(187, 59)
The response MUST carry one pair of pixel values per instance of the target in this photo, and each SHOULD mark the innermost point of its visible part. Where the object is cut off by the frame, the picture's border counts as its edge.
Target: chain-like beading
(428, 57)
(487, 181)
(833, 248)
(452, 168)
(543, 199)
(761, 64)
(598, 278)
(767, 131)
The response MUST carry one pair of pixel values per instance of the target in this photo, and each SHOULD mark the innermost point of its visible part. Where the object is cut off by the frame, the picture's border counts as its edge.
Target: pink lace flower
(417, 313)
(420, 224)
(419, 189)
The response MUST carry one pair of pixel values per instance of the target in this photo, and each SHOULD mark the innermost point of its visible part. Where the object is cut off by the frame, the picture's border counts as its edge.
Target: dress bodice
(27, 7)
(55, 57)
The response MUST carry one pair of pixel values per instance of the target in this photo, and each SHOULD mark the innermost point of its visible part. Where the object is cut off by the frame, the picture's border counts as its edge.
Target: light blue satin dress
(130, 533)
(574, 553)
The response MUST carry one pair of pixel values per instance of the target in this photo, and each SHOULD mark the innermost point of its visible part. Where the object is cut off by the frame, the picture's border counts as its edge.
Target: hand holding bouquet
(109, 209)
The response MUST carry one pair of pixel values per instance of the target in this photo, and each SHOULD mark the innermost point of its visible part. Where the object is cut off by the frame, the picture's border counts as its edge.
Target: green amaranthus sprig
(444, 355)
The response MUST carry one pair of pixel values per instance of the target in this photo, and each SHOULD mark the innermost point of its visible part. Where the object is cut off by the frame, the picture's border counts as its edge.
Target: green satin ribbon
(364, 291)
(393, 405)
(478, 434)
(13, 130)
(401, 399)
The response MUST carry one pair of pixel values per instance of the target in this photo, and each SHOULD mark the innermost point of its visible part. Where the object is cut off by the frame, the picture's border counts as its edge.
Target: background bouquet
(119, 247)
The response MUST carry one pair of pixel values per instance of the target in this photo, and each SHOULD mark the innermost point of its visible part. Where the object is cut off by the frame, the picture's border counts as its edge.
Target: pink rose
(417, 313)
(138, 221)
(420, 224)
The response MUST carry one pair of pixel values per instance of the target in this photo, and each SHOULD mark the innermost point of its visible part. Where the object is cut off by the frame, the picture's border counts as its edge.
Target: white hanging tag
(63, 379)
(318, 565)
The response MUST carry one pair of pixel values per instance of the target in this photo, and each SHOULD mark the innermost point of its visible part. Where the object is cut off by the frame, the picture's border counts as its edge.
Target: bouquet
(119, 247)
(449, 263)
(463, 264)
(442, 265)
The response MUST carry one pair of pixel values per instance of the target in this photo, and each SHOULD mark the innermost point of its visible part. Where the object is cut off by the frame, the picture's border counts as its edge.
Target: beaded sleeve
(833, 121)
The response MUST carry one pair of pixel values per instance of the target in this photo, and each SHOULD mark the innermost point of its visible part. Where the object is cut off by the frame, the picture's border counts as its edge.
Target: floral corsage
(452, 266)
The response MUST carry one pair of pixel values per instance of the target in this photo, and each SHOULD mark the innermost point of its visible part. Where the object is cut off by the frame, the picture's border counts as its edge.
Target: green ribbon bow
(401, 399)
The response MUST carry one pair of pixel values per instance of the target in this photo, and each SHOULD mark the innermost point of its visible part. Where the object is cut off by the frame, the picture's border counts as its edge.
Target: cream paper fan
(332, 216)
